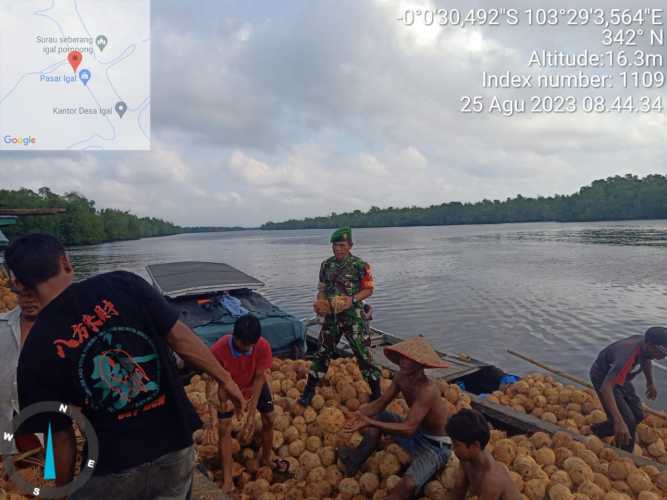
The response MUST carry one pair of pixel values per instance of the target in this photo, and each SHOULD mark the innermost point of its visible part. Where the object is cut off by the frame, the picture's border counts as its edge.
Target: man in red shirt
(612, 375)
(246, 355)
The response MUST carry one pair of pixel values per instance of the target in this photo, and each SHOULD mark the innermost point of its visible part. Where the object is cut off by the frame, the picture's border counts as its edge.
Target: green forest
(615, 198)
(82, 223)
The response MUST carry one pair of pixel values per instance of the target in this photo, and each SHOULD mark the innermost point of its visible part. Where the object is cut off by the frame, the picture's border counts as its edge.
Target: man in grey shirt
(14, 328)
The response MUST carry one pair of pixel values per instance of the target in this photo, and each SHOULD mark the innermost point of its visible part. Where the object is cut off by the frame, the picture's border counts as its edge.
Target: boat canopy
(181, 279)
(5, 221)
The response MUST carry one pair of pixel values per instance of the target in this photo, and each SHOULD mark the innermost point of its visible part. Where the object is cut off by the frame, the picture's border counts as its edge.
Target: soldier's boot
(354, 458)
(376, 391)
(309, 391)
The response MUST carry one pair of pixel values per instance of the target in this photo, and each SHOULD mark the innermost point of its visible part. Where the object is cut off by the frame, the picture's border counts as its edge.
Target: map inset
(75, 75)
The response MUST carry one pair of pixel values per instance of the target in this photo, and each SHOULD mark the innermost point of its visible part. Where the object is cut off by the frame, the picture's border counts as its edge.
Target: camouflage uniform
(344, 278)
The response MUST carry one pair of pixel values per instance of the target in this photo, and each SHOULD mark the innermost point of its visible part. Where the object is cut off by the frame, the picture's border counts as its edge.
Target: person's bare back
(491, 481)
(479, 474)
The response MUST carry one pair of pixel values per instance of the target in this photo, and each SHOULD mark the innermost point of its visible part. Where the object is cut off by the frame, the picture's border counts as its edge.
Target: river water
(557, 292)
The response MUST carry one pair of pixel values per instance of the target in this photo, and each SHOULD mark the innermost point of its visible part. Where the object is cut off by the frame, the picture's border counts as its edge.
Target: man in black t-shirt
(103, 344)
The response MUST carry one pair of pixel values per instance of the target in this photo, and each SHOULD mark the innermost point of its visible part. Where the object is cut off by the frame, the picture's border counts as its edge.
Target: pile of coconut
(542, 466)
(7, 298)
(308, 438)
(577, 409)
(9, 491)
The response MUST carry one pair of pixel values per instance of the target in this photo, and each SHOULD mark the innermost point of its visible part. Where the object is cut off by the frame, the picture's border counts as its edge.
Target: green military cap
(342, 234)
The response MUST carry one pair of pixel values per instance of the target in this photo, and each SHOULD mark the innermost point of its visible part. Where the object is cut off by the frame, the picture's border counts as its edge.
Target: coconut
(331, 420)
(504, 451)
(401, 453)
(317, 402)
(559, 492)
(516, 479)
(591, 490)
(648, 495)
(313, 443)
(369, 483)
(647, 435)
(435, 491)
(540, 440)
(389, 465)
(615, 495)
(639, 481)
(296, 448)
(535, 489)
(334, 475)
(309, 460)
(545, 456)
(291, 434)
(657, 448)
(622, 487)
(349, 487)
(524, 466)
(578, 470)
(391, 482)
(588, 456)
(561, 477)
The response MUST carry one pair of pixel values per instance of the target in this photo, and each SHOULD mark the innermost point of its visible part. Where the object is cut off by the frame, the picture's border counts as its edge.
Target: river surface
(557, 292)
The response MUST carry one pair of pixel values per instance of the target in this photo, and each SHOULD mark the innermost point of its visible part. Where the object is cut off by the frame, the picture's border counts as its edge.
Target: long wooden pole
(578, 380)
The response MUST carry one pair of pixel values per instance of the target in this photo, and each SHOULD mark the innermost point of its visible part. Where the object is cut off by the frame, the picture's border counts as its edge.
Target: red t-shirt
(243, 367)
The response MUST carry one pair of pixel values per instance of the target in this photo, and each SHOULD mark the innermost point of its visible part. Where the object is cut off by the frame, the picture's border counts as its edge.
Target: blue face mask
(235, 352)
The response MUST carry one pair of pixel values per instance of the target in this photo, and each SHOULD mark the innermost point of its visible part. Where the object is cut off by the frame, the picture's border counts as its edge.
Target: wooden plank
(523, 423)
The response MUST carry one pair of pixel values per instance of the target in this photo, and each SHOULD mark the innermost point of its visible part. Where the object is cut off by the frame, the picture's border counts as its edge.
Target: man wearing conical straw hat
(422, 432)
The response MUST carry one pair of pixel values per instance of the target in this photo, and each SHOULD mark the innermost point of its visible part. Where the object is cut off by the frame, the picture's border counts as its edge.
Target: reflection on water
(558, 292)
(621, 235)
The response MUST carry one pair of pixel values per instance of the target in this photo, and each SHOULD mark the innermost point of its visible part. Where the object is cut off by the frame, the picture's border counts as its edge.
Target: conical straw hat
(416, 349)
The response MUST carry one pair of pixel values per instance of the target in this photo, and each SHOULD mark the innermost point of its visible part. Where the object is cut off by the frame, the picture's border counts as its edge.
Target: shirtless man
(479, 473)
(422, 432)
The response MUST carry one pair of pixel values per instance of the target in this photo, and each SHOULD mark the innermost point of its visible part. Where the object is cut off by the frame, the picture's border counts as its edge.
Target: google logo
(26, 141)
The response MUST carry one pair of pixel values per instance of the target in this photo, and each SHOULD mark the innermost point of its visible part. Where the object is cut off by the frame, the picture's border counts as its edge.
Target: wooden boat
(478, 377)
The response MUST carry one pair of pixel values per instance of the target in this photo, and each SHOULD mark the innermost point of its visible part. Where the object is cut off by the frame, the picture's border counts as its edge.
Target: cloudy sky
(274, 110)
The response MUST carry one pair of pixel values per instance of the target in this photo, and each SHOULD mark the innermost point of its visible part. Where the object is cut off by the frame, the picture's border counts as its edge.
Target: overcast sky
(275, 110)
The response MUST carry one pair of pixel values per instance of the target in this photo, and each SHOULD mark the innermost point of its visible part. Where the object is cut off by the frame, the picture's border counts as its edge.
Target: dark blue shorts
(428, 456)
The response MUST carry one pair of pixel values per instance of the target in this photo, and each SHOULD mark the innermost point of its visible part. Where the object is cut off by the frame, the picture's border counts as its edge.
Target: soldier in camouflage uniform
(343, 275)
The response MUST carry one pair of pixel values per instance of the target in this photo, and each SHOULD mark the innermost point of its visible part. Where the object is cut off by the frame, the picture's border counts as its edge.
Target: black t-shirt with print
(101, 345)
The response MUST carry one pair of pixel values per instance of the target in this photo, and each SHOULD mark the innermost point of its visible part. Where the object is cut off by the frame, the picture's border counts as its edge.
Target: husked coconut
(349, 487)
(561, 477)
(313, 443)
(647, 435)
(389, 465)
(591, 490)
(369, 483)
(639, 481)
(435, 491)
(648, 495)
(504, 451)
(540, 440)
(545, 456)
(331, 420)
(578, 470)
(309, 460)
(559, 491)
(391, 482)
(296, 448)
(535, 489)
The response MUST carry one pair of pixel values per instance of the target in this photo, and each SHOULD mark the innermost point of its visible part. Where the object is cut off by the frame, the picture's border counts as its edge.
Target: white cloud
(279, 111)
